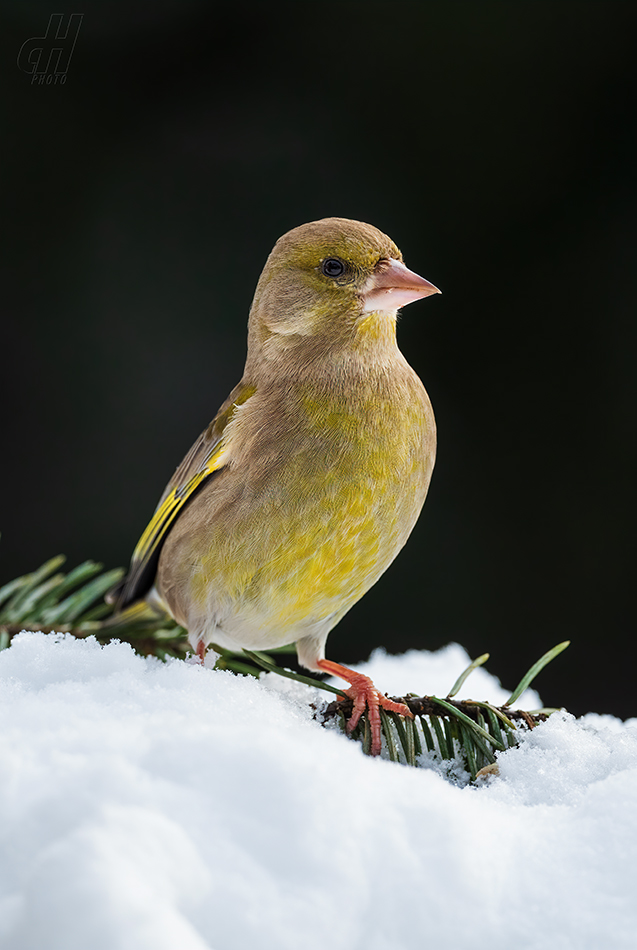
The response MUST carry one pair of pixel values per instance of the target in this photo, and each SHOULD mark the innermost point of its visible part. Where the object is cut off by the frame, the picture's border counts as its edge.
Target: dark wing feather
(204, 459)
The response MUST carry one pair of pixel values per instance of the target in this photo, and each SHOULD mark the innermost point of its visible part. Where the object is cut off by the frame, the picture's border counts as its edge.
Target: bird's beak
(392, 285)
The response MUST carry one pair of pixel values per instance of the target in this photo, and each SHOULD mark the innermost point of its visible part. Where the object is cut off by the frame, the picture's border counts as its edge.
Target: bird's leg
(201, 651)
(365, 696)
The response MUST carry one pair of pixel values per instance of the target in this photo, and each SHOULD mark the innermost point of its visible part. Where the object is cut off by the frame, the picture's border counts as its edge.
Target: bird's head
(328, 279)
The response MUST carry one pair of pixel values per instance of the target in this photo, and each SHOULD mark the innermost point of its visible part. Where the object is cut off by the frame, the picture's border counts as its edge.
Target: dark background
(495, 142)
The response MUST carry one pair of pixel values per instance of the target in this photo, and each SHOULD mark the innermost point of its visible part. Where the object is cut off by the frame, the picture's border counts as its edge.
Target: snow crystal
(150, 806)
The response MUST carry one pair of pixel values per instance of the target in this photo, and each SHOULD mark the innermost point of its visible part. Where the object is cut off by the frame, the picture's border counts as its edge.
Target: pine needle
(460, 681)
(528, 678)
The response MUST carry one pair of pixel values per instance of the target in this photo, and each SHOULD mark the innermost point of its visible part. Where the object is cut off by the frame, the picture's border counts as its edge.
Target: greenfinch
(310, 478)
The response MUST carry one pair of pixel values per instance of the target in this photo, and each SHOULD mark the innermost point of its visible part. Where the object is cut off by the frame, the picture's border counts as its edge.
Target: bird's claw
(367, 697)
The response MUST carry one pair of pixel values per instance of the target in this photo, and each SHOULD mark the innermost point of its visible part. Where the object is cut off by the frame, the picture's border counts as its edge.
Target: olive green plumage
(309, 480)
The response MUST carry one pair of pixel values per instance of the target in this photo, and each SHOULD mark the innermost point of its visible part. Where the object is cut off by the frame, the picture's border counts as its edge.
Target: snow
(150, 806)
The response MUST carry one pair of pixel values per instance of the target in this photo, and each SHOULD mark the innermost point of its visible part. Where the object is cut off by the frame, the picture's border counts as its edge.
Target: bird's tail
(137, 613)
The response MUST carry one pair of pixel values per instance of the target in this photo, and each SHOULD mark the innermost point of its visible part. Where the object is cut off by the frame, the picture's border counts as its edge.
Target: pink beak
(392, 285)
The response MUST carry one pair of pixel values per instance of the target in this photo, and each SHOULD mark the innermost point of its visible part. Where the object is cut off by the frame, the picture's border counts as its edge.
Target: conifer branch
(472, 730)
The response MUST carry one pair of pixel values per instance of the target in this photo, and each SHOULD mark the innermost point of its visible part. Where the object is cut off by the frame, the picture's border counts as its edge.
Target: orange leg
(201, 651)
(365, 696)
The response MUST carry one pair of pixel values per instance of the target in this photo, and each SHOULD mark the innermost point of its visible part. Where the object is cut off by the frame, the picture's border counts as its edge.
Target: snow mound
(150, 806)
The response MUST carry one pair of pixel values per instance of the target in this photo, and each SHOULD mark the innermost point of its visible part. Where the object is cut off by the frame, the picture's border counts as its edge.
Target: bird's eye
(333, 267)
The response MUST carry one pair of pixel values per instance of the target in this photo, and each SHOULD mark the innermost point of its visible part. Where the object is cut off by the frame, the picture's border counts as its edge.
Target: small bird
(310, 478)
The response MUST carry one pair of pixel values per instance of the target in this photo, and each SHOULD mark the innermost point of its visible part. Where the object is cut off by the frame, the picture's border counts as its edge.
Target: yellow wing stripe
(167, 511)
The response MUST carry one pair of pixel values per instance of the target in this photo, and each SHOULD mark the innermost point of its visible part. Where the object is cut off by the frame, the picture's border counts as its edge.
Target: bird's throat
(377, 328)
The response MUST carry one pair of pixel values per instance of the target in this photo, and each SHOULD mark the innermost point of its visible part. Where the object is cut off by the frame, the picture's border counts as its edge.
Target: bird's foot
(365, 697)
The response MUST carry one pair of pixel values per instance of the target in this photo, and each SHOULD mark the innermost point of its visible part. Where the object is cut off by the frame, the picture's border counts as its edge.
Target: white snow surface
(150, 806)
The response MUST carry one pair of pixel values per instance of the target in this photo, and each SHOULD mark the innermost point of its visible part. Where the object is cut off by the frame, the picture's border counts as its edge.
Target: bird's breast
(323, 489)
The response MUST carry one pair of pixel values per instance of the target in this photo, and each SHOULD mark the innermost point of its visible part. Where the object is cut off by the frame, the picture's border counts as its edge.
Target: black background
(495, 142)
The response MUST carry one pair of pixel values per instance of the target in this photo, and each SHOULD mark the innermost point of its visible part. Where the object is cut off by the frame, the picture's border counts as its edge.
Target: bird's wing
(207, 456)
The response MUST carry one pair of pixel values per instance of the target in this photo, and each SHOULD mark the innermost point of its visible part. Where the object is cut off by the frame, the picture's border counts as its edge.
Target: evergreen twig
(48, 600)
